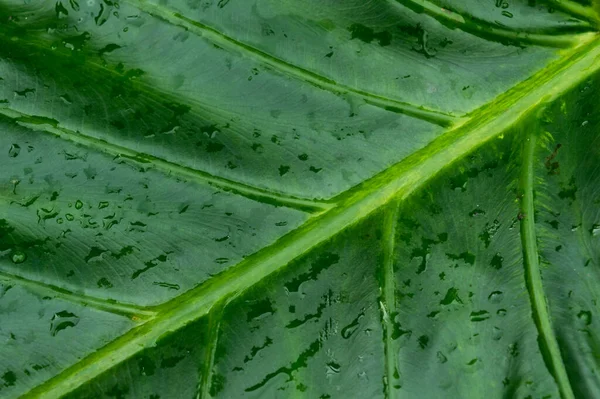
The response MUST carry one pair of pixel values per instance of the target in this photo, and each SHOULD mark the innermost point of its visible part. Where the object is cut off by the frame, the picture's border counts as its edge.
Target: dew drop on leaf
(585, 317)
(497, 334)
(496, 297)
(19, 257)
(14, 150)
(62, 320)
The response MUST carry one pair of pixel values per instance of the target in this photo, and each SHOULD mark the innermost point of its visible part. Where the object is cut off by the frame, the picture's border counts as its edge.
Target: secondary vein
(134, 312)
(488, 30)
(52, 126)
(577, 9)
(389, 297)
(547, 338)
(433, 116)
(214, 324)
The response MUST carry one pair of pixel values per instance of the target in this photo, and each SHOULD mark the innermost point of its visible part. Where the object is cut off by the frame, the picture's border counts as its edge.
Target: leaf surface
(299, 199)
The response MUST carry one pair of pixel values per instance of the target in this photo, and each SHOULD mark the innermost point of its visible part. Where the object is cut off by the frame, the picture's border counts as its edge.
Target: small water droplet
(480, 315)
(477, 212)
(14, 150)
(102, 204)
(496, 297)
(595, 230)
(497, 333)
(585, 317)
(501, 312)
(78, 204)
(333, 367)
(19, 257)
(62, 320)
(441, 357)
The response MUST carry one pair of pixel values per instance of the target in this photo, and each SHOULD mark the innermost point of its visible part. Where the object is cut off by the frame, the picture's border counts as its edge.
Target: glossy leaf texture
(321, 199)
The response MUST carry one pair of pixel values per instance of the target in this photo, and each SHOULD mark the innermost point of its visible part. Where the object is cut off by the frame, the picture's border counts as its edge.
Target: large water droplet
(496, 297)
(19, 257)
(441, 357)
(585, 317)
(497, 333)
(62, 320)
(333, 367)
(14, 150)
(480, 315)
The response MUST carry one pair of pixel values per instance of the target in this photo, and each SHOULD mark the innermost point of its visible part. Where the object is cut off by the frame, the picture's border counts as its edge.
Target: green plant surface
(312, 199)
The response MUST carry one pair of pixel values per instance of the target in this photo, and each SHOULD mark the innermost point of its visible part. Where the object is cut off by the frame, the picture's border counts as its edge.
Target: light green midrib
(445, 16)
(163, 165)
(397, 182)
(430, 115)
(389, 294)
(534, 277)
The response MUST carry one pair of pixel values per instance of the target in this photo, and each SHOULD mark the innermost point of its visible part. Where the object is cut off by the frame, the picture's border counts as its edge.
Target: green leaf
(299, 199)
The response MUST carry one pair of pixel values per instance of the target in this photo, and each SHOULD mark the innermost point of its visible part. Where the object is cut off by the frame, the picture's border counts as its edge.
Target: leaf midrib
(397, 182)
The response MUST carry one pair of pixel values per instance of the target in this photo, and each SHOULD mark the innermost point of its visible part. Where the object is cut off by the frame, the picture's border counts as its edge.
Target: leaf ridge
(433, 116)
(397, 182)
(547, 338)
(52, 126)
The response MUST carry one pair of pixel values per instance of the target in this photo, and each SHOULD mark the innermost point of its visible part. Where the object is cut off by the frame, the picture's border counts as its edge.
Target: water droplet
(62, 320)
(69, 217)
(78, 204)
(585, 317)
(501, 312)
(95, 254)
(351, 328)
(441, 357)
(497, 333)
(496, 297)
(496, 261)
(14, 150)
(477, 212)
(333, 367)
(19, 257)
(595, 230)
(102, 204)
(480, 315)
